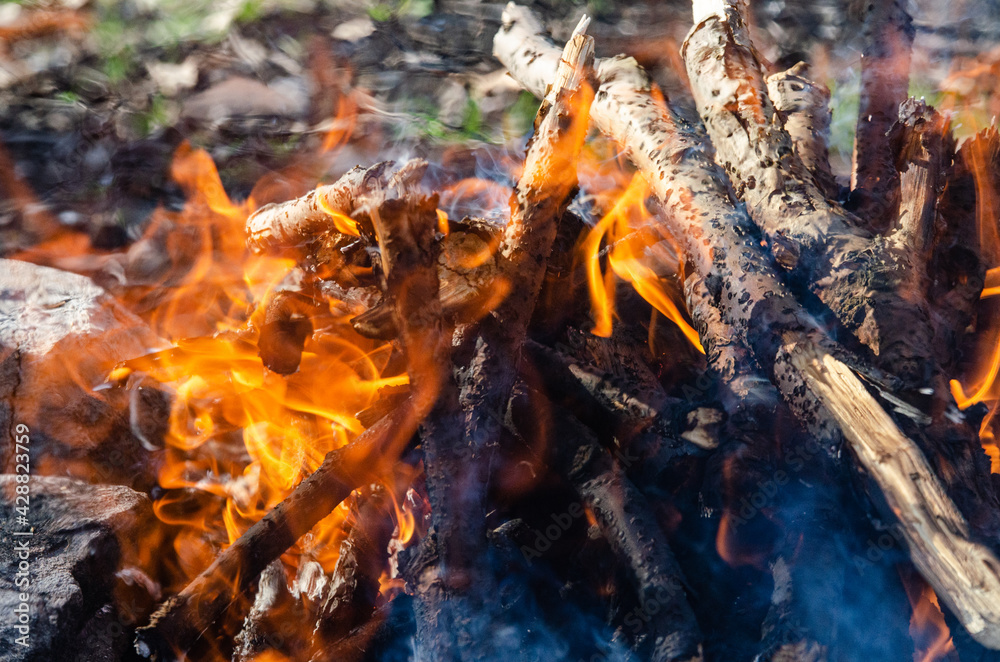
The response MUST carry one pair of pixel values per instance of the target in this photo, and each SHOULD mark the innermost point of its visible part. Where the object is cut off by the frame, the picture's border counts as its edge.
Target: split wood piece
(922, 138)
(926, 149)
(723, 250)
(181, 620)
(803, 107)
(885, 80)
(625, 520)
(349, 598)
(863, 281)
(964, 574)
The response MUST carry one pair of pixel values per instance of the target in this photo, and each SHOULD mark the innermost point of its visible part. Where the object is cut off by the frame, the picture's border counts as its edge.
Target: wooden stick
(447, 589)
(965, 574)
(181, 620)
(885, 78)
(864, 285)
(454, 574)
(305, 220)
(926, 146)
(537, 204)
(721, 249)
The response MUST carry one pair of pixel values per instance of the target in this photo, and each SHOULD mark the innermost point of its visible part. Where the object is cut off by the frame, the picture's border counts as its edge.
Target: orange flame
(343, 123)
(271, 656)
(628, 262)
(443, 227)
(344, 224)
(987, 207)
(241, 437)
(981, 159)
(733, 549)
(928, 629)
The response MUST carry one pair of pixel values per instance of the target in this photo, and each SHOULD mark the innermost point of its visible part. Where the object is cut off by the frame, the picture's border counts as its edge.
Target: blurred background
(95, 95)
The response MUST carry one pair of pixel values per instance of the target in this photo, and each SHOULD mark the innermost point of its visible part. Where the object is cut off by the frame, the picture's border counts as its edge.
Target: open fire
(662, 389)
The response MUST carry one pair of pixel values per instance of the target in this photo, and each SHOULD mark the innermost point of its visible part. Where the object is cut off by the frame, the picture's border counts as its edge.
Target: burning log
(318, 226)
(538, 202)
(181, 620)
(320, 215)
(348, 600)
(404, 227)
(457, 546)
(718, 239)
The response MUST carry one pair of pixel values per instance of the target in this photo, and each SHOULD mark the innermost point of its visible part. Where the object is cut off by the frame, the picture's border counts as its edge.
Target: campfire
(662, 387)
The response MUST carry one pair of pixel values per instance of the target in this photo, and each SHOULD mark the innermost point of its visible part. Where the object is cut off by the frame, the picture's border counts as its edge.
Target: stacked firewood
(831, 319)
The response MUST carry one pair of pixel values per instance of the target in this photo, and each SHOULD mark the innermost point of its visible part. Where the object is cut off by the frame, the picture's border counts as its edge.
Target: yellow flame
(344, 224)
(928, 629)
(627, 261)
(443, 227)
(986, 220)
